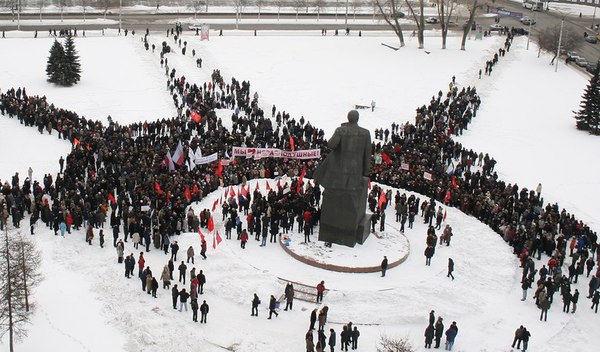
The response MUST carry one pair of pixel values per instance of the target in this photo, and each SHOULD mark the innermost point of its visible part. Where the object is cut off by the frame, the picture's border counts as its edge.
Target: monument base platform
(360, 259)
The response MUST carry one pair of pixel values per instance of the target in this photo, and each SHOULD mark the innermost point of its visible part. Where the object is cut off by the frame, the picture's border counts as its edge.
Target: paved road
(162, 21)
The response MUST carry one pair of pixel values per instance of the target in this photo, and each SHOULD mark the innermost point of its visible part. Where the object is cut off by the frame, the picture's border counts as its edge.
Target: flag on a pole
(268, 186)
(112, 198)
(444, 215)
(215, 205)
(158, 189)
(257, 187)
(211, 224)
(219, 171)
(188, 194)
(301, 179)
(201, 235)
(214, 243)
(454, 182)
(195, 116)
(386, 158)
(382, 200)
(178, 157)
(219, 239)
(231, 192)
(75, 141)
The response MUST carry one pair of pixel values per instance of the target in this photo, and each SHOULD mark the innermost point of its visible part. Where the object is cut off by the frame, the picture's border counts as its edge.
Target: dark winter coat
(429, 333)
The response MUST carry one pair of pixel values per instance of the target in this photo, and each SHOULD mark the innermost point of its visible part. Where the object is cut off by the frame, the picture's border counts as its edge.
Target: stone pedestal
(343, 218)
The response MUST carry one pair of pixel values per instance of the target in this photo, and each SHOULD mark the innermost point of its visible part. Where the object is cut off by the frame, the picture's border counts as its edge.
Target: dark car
(591, 39)
(519, 31)
(591, 68)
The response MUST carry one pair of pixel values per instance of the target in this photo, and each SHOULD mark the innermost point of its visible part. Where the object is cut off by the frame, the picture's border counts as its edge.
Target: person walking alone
(384, 265)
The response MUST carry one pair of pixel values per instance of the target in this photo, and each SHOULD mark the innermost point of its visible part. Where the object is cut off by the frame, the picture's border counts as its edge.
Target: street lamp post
(562, 21)
(120, 10)
(19, 15)
(346, 18)
(529, 29)
(594, 16)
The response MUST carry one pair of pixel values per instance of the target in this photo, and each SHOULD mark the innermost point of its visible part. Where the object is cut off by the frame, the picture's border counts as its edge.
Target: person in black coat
(332, 338)
(255, 303)
(431, 317)
(429, 334)
(428, 255)
(450, 268)
(384, 266)
(154, 287)
(574, 300)
(272, 306)
(313, 318)
(175, 295)
(439, 331)
(194, 305)
(201, 281)
(203, 312)
(566, 301)
(526, 336)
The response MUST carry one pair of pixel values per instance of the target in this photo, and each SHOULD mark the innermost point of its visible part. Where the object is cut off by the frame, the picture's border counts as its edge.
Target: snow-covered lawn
(525, 122)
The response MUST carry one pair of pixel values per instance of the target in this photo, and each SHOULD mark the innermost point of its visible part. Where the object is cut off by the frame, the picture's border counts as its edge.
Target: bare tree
(41, 5)
(390, 10)
(62, 4)
(548, 40)
(419, 17)
(299, 5)
(106, 5)
(279, 4)
(259, 4)
(472, 6)
(198, 5)
(390, 344)
(239, 6)
(356, 4)
(19, 272)
(445, 10)
(319, 4)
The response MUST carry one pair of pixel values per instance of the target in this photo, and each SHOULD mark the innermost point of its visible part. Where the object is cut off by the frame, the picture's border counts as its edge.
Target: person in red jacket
(69, 221)
(320, 290)
(141, 263)
(244, 239)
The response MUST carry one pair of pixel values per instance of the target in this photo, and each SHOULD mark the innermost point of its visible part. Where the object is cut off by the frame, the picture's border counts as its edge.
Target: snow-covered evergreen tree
(72, 67)
(588, 117)
(54, 68)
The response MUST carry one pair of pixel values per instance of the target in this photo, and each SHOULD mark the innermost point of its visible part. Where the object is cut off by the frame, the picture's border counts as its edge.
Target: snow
(525, 119)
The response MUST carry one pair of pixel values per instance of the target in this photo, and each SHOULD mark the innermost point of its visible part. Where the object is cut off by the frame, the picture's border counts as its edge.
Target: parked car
(591, 68)
(526, 20)
(398, 14)
(591, 39)
(581, 62)
(573, 55)
(496, 27)
(519, 31)
(432, 20)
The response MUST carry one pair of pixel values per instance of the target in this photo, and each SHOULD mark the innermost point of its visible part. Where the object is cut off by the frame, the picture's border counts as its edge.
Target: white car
(496, 27)
(432, 20)
(526, 20)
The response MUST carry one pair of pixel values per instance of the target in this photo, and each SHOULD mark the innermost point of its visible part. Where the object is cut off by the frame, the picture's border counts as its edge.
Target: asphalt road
(162, 21)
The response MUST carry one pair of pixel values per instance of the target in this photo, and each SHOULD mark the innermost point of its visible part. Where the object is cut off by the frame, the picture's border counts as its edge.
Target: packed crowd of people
(119, 174)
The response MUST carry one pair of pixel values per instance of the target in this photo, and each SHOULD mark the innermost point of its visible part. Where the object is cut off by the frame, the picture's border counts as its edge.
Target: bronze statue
(344, 175)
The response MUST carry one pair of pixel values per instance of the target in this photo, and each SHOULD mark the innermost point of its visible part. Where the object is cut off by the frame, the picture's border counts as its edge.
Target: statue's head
(353, 116)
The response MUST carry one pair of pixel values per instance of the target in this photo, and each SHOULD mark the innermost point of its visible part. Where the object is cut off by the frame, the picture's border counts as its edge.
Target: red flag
(268, 186)
(231, 192)
(112, 199)
(257, 187)
(454, 182)
(194, 115)
(75, 141)
(245, 191)
(219, 171)
(211, 224)
(158, 189)
(168, 197)
(301, 179)
(219, 239)
(201, 234)
(196, 190)
(279, 184)
(225, 195)
(382, 199)
(292, 145)
(215, 205)
(178, 157)
(386, 158)
(188, 194)
(444, 214)
(214, 243)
